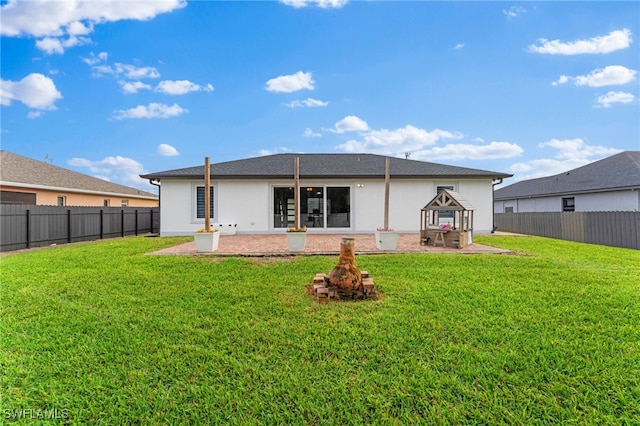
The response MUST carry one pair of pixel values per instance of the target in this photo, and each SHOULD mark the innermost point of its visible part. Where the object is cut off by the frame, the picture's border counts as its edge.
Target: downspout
(156, 182)
(493, 205)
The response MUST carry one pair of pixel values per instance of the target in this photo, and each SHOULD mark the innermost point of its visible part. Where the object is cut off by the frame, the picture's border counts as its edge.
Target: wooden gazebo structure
(447, 219)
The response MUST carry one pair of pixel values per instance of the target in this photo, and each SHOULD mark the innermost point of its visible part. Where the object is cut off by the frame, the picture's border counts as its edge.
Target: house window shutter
(200, 202)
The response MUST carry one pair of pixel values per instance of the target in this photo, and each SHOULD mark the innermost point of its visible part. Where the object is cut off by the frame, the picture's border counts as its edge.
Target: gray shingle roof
(17, 169)
(325, 166)
(620, 171)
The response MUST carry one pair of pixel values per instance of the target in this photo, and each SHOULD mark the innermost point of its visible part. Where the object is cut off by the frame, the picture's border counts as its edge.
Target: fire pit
(345, 281)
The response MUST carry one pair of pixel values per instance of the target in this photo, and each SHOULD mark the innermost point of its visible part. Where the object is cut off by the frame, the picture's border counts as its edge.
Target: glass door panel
(283, 208)
(312, 206)
(338, 207)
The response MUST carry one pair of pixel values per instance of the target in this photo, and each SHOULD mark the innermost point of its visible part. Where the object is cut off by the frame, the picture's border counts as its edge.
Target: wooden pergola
(447, 219)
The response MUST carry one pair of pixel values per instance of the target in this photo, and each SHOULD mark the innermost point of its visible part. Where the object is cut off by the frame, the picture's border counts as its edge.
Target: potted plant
(206, 240)
(296, 238)
(386, 238)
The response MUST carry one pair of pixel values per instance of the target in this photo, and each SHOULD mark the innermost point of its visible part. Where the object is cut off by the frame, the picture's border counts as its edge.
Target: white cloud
(309, 102)
(562, 80)
(570, 154)
(615, 40)
(350, 123)
(34, 114)
(609, 76)
(572, 149)
(324, 4)
(51, 20)
(52, 45)
(130, 87)
(181, 87)
(308, 133)
(291, 83)
(491, 151)
(615, 97)
(153, 110)
(544, 167)
(131, 72)
(167, 150)
(133, 86)
(514, 12)
(459, 46)
(419, 142)
(35, 91)
(264, 152)
(117, 169)
(394, 142)
(612, 75)
(94, 59)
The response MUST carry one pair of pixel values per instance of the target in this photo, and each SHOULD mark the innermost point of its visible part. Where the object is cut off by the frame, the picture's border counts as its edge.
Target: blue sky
(115, 89)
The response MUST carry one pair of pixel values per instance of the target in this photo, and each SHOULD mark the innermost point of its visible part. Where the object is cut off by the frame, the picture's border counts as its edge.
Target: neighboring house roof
(325, 166)
(618, 172)
(16, 170)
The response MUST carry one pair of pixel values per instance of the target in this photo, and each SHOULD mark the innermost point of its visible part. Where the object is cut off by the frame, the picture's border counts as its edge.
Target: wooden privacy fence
(35, 226)
(617, 229)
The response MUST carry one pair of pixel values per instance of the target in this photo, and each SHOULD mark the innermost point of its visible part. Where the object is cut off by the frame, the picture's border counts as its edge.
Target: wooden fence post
(69, 226)
(136, 222)
(28, 228)
(122, 223)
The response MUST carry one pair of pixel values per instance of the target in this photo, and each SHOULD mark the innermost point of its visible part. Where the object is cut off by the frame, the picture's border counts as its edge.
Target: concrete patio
(317, 244)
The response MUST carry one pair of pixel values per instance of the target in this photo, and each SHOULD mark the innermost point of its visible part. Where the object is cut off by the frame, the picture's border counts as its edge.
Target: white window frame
(194, 203)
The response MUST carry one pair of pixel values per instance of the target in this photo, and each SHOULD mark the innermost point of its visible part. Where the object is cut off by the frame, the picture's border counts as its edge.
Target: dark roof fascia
(319, 177)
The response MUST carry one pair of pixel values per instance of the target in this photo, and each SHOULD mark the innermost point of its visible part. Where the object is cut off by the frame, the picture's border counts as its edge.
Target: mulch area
(317, 244)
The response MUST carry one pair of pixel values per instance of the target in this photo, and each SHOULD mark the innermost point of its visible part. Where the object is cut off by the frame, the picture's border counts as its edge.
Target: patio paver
(316, 244)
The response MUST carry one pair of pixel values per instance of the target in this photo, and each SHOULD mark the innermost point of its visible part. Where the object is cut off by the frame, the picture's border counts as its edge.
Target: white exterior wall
(608, 201)
(249, 204)
(594, 202)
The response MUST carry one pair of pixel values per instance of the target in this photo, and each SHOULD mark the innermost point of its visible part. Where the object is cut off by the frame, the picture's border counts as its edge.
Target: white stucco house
(338, 193)
(610, 184)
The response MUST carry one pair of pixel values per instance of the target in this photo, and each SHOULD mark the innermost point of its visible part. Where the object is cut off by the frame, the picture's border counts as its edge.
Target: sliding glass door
(320, 207)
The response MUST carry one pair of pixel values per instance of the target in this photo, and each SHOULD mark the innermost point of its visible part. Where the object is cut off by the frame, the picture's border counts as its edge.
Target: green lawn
(101, 333)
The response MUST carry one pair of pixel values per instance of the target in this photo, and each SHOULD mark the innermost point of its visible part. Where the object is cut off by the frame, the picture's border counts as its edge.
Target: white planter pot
(206, 241)
(386, 240)
(296, 240)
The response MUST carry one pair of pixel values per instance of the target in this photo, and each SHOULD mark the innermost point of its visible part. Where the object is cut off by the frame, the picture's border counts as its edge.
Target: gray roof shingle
(15, 168)
(325, 166)
(620, 171)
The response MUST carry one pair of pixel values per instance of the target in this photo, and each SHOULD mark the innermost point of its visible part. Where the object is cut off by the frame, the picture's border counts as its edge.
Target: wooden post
(207, 193)
(387, 178)
(296, 191)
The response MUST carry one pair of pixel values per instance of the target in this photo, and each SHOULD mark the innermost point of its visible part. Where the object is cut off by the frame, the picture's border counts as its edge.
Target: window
(445, 216)
(569, 204)
(200, 202)
(62, 200)
(124, 203)
(508, 209)
(106, 202)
